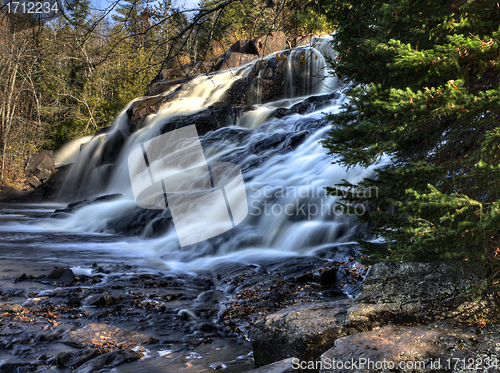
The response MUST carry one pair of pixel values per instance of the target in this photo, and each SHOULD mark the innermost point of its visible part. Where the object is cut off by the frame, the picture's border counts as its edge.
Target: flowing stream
(284, 166)
(130, 268)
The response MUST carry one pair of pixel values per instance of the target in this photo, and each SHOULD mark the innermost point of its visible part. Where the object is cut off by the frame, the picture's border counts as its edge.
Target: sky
(183, 4)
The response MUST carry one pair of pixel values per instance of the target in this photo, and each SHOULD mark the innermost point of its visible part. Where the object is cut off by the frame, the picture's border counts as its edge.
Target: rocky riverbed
(69, 302)
(65, 308)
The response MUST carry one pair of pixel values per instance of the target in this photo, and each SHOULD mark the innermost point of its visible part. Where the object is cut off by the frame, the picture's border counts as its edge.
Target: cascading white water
(289, 212)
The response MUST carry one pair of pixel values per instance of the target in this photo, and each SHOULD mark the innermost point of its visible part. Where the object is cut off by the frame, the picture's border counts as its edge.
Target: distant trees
(70, 76)
(427, 95)
(20, 100)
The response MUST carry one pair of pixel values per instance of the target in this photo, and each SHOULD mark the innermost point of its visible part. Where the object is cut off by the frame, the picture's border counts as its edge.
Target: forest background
(66, 78)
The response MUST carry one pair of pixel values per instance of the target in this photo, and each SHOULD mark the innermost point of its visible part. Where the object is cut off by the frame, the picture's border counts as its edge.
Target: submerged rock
(14, 308)
(93, 334)
(72, 207)
(110, 360)
(76, 358)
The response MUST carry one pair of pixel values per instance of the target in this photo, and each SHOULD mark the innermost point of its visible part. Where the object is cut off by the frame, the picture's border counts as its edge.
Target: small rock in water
(14, 308)
(95, 301)
(24, 277)
(219, 366)
(60, 276)
(194, 355)
(74, 302)
(163, 353)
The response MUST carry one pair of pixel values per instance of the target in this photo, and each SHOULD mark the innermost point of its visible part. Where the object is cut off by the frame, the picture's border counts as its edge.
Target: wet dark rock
(309, 105)
(283, 366)
(76, 358)
(95, 301)
(53, 185)
(139, 110)
(139, 221)
(72, 207)
(24, 277)
(96, 333)
(111, 147)
(15, 368)
(74, 302)
(110, 360)
(60, 276)
(436, 347)
(215, 117)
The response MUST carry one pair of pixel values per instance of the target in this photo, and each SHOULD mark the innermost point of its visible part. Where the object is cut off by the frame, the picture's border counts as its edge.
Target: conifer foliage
(426, 95)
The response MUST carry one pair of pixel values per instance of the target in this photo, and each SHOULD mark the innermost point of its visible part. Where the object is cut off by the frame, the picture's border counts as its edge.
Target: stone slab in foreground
(284, 366)
(304, 331)
(392, 293)
(426, 348)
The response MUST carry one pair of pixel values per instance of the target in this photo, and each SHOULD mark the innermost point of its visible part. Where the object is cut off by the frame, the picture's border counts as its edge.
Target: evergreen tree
(426, 78)
(134, 15)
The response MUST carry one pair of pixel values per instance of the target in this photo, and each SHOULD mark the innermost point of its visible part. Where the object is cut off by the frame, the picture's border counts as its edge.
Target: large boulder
(420, 292)
(41, 165)
(243, 46)
(217, 116)
(268, 44)
(235, 59)
(265, 83)
(304, 332)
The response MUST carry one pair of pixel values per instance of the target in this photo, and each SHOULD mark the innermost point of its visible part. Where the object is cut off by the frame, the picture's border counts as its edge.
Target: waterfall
(275, 144)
